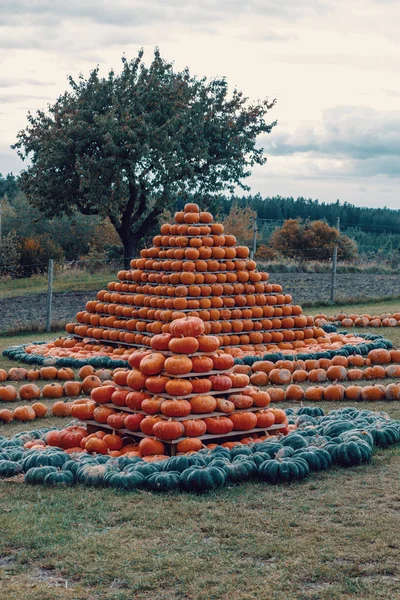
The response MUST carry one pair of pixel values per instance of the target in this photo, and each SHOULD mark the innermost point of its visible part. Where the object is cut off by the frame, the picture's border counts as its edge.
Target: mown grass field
(74, 280)
(332, 537)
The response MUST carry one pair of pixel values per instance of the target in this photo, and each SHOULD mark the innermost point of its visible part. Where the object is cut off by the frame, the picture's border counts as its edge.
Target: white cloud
(332, 64)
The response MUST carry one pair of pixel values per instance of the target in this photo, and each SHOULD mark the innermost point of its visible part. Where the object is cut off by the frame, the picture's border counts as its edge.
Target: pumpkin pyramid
(181, 394)
(195, 269)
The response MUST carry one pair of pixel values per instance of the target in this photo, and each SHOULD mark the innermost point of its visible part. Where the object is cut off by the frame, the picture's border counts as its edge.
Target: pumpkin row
(149, 281)
(192, 247)
(23, 413)
(205, 240)
(229, 327)
(280, 376)
(152, 279)
(336, 392)
(240, 340)
(178, 406)
(201, 267)
(378, 356)
(190, 296)
(165, 316)
(354, 320)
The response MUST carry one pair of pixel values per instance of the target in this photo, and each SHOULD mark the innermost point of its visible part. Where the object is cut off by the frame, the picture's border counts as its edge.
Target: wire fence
(51, 297)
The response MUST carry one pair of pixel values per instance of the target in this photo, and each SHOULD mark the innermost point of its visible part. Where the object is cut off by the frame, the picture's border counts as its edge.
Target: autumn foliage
(311, 240)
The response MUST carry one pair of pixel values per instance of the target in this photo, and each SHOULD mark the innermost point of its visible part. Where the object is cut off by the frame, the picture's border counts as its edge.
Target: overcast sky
(333, 66)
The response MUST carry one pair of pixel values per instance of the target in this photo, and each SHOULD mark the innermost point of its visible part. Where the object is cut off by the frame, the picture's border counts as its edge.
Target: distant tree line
(29, 238)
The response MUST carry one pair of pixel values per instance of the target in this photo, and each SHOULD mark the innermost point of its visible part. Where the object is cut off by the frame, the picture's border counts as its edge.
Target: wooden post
(255, 230)
(334, 266)
(49, 294)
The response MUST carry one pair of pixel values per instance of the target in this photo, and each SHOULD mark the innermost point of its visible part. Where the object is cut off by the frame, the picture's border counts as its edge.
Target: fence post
(49, 293)
(255, 230)
(334, 265)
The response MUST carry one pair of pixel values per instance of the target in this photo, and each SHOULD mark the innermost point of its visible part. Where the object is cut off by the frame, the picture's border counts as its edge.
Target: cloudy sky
(333, 66)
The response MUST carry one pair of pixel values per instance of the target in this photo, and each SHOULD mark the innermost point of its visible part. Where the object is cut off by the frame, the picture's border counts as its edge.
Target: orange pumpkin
(189, 444)
(40, 409)
(194, 427)
(265, 418)
(83, 410)
(379, 356)
(90, 382)
(203, 404)
(17, 374)
(149, 446)
(178, 387)
(280, 415)
(294, 392)
(243, 421)
(185, 345)
(168, 430)
(53, 390)
(72, 388)
(152, 364)
(61, 409)
(24, 413)
(101, 413)
(178, 365)
(48, 373)
(6, 415)
(29, 391)
(276, 394)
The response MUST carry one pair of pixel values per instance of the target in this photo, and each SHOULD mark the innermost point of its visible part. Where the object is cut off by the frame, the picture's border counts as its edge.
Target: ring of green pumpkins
(341, 438)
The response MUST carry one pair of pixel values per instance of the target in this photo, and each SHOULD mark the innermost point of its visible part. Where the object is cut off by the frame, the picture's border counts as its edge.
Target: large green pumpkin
(349, 454)
(127, 461)
(384, 435)
(166, 481)
(219, 462)
(336, 427)
(178, 463)
(145, 468)
(37, 475)
(9, 468)
(202, 479)
(358, 434)
(92, 475)
(59, 478)
(44, 457)
(317, 459)
(259, 457)
(271, 448)
(241, 470)
(311, 411)
(125, 480)
(283, 470)
(294, 440)
(241, 451)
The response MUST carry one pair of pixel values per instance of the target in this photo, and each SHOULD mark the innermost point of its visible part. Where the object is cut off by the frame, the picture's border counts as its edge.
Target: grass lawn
(371, 308)
(69, 281)
(332, 537)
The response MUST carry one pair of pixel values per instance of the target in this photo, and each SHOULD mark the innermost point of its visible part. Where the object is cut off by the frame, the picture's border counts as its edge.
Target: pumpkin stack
(194, 268)
(183, 392)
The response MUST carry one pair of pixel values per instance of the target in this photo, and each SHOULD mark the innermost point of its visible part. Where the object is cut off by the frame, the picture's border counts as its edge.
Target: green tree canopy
(8, 186)
(125, 145)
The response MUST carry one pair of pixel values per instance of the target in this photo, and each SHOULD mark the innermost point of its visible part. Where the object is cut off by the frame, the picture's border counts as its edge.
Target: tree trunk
(130, 241)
